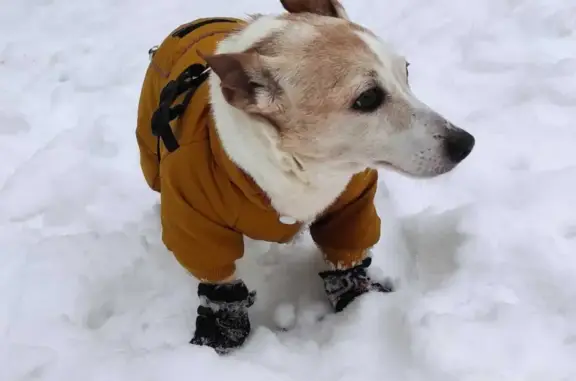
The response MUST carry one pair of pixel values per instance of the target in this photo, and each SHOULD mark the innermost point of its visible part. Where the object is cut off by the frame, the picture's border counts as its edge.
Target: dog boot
(222, 321)
(343, 286)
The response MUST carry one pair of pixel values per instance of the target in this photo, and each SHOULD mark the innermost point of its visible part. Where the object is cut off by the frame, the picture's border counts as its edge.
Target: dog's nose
(458, 144)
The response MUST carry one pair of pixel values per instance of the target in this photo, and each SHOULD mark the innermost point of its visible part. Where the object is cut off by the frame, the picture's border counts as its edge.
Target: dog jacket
(208, 204)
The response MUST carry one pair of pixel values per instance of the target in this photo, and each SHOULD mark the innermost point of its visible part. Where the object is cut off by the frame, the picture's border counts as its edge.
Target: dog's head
(334, 95)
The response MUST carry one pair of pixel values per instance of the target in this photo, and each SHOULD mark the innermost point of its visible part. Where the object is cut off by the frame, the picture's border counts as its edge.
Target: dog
(284, 123)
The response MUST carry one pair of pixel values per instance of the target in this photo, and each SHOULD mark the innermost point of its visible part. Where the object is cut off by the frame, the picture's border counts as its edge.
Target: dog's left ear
(331, 8)
(245, 81)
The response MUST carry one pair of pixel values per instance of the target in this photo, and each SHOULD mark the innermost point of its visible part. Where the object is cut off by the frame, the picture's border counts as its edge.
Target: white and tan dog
(300, 109)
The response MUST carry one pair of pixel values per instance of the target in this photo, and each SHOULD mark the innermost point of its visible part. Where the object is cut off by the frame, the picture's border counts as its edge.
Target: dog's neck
(294, 190)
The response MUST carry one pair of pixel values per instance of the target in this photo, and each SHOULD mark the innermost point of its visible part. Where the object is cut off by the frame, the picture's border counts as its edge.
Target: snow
(285, 316)
(485, 257)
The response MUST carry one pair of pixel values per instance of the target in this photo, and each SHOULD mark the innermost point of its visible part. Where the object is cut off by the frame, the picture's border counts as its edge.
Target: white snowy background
(485, 257)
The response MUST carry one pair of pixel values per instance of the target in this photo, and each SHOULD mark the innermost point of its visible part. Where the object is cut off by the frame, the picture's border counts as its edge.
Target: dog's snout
(458, 144)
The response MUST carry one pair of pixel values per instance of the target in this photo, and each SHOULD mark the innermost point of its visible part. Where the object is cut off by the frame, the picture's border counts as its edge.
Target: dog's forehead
(306, 34)
(392, 71)
(311, 40)
(390, 60)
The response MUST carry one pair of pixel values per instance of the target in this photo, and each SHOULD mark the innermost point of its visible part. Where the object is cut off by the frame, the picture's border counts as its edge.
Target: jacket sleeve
(191, 227)
(351, 226)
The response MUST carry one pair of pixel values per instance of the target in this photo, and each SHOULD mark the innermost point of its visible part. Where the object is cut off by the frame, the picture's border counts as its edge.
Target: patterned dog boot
(222, 321)
(343, 286)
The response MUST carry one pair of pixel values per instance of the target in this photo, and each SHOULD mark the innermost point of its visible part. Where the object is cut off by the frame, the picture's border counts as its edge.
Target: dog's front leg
(198, 228)
(222, 321)
(345, 233)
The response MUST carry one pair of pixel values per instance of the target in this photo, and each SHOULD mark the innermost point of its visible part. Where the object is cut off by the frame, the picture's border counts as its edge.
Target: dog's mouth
(387, 165)
(382, 164)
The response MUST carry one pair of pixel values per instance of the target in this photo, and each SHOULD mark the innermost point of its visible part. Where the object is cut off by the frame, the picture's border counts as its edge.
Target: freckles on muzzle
(458, 144)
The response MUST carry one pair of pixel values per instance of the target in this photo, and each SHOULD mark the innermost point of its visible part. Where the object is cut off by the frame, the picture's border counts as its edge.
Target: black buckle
(188, 80)
(195, 72)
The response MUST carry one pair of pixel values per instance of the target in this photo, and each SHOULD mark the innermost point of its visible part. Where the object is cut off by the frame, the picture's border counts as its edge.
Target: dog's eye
(255, 85)
(370, 100)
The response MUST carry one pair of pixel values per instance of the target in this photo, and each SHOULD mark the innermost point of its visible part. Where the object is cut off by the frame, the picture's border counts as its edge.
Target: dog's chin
(415, 174)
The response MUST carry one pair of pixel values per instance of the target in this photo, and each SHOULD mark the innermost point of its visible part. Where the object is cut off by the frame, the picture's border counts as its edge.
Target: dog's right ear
(242, 77)
(331, 8)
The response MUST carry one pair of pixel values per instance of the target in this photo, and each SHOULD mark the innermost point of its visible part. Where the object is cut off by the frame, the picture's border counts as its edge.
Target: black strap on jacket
(188, 81)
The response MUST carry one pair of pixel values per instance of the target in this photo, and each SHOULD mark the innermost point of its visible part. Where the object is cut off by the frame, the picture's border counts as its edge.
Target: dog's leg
(345, 234)
(229, 279)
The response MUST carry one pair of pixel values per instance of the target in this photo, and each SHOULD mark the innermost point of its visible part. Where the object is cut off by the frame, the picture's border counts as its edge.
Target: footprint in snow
(98, 144)
(13, 124)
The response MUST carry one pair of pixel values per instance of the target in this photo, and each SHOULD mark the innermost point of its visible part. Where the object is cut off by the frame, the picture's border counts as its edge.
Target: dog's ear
(331, 8)
(232, 69)
(245, 81)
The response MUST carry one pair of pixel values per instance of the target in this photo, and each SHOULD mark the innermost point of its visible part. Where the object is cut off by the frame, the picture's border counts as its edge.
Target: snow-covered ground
(485, 256)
